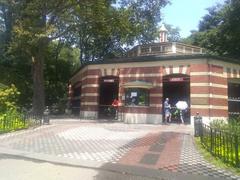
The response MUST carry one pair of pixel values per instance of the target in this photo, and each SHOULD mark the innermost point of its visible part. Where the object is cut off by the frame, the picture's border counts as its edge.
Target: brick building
(149, 74)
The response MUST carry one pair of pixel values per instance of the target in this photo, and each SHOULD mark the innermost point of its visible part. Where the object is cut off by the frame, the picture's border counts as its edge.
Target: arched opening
(176, 87)
(108, 91)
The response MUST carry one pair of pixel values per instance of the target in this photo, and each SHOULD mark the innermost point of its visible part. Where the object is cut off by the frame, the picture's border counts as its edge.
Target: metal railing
(17, 122)
(222, 144)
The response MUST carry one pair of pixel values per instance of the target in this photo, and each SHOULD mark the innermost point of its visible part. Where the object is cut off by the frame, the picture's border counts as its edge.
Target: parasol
(182, 105)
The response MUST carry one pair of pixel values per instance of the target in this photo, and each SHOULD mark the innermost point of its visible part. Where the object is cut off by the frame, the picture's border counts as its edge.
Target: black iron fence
(17, 122)
(221, 143)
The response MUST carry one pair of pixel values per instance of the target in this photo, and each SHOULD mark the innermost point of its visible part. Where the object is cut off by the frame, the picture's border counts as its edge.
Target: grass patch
(214, 160)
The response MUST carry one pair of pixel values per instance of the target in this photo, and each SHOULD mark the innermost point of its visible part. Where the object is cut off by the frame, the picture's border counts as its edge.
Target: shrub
(8, 99)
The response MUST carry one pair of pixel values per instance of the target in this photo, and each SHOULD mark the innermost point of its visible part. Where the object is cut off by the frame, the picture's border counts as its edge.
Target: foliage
(219, 30)
(33, 34)
(8, 99)
(214, 160)
(173, 33)
(232, 125)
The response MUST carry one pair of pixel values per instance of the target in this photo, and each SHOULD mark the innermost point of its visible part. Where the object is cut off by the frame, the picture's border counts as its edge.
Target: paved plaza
(114, 146)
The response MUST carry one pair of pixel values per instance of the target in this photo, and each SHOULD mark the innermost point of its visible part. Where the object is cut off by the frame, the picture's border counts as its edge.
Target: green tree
(99, 29)
(219, 30)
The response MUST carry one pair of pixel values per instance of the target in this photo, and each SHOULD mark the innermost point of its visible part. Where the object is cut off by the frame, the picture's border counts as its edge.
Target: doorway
(108, 91)
(177, 88)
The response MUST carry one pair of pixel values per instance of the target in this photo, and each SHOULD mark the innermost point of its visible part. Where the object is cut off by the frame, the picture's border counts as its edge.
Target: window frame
(128, 91)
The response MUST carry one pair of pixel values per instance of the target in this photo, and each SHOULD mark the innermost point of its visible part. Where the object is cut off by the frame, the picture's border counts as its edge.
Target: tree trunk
(38, 80)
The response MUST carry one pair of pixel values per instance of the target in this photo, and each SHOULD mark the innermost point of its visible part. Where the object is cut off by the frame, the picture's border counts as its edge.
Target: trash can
(197, 125)
(46, 118)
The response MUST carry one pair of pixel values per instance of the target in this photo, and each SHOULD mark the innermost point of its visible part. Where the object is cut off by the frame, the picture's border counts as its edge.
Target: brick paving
(160, 147)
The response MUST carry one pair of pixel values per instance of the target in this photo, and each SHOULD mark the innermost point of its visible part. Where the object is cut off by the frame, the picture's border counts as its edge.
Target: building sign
(176, 79)
(108, 80)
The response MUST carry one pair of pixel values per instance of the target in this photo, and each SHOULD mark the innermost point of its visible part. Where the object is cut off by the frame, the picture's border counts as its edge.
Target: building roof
(159, 58)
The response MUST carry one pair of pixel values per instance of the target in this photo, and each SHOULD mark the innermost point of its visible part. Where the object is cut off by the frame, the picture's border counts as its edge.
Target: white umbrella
(182, 105)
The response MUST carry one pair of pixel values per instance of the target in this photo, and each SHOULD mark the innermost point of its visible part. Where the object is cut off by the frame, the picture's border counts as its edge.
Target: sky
(186, 14)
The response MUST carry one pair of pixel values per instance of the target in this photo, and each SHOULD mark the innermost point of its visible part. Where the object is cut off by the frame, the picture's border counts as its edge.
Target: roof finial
(163, 34)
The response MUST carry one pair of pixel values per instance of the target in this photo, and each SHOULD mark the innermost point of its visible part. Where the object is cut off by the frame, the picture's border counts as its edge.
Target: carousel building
(148, 75)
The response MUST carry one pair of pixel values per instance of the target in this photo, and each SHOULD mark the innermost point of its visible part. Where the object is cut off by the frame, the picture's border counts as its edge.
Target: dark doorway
(76, 100)
(233, 99)
(109, 86)
(177, 88)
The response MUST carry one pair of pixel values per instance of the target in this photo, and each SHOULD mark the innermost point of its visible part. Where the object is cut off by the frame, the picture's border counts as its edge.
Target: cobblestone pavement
(164, 147)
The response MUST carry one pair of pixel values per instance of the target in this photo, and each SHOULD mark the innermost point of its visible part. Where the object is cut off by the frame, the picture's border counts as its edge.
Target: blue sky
(186, 14)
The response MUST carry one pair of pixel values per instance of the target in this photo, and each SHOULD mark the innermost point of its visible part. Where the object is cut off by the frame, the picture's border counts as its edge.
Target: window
(136, 97)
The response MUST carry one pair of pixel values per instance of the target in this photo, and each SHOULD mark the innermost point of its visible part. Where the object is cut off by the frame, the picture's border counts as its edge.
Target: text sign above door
(176, 79)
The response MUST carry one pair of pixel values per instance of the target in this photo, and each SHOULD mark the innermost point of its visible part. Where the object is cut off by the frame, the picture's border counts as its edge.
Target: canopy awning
(138, 84)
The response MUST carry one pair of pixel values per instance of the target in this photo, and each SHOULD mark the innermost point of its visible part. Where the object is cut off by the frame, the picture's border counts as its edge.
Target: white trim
(209, 95)
(208, 85)
(219, 96)
(209, 107)
(155, 105)
(207, 74)
(90, 85)
(90, 76)
(156, 95)
(167, 69)
(199, 95)
(176, 70)
(141, 75)
(184, 69)
(89, 94)
(89, 103)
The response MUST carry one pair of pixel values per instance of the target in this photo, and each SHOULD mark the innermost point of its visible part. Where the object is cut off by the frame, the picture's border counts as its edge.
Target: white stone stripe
(167, 69)
(90, 76)
(206, 74)
(109, 72)
(90, 85)
(208, 107)
(208, 95)
(102, 72)
(89, 103)
(218, 85)
(199, 84)
(208, 85)
(141, 75)
(156, 95)
(218, 96)
(155, 105)
(176, 70)
(199, 95)
(89, 94)
(157, 84)
(184, 70)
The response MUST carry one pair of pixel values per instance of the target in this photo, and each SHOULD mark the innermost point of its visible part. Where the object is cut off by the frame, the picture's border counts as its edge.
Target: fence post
(236, 150)
(198, 125)
(4, 123)
(211, 140)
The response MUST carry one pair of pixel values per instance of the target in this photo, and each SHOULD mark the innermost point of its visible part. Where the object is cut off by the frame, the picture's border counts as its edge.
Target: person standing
(115, 106)
(167, 111)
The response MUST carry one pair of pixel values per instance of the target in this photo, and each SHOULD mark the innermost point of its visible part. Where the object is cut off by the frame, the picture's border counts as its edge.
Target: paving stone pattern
(95, 142)
(192, 162)
(161, 147)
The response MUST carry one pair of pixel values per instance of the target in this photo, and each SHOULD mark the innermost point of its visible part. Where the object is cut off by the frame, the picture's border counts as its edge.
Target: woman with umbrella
(182, 106)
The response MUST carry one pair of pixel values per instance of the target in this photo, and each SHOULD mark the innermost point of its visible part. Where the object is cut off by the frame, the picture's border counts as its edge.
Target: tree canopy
(219, 30)
(39, 39)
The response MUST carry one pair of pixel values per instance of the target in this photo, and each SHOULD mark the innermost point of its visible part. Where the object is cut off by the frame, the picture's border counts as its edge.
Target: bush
(8, 99)
(232, 125)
